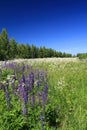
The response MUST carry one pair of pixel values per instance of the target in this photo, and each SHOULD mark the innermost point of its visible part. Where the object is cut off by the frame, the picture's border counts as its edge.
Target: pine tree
(12, 49)
(4, 43)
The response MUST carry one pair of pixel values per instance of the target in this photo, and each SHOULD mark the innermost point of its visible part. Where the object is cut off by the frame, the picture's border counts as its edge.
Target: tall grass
(66, 105)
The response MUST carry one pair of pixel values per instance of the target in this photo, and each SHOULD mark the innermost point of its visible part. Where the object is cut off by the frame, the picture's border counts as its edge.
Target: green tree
(34, 52)
(41, 53)
(28, 51)
(4, 44)
(12, 49)
(21, 51)
(82, 55)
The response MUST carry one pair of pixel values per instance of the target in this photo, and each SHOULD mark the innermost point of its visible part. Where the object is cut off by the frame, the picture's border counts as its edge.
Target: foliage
(25, 93)
(82, 55)
(9, 49)
(12, 49)
(4, 43)
(65, 107)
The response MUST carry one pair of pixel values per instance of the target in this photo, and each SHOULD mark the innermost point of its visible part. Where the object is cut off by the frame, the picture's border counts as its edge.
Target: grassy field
(66, 107)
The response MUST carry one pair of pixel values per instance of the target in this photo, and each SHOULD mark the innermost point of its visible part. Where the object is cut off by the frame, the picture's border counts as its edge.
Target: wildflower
(23, 78)
(43, 101)
(24, 95)
(31, 79)
(7, 95)
(32, 100)
(44, 98)
(45, 88)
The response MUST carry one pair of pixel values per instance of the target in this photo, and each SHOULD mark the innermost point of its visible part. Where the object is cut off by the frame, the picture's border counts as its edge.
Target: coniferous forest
(10, 49)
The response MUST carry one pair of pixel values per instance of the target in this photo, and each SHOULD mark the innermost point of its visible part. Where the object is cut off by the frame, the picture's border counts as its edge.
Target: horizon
(56, 24)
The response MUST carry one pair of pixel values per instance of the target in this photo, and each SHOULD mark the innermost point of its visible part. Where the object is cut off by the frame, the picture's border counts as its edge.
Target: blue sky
(56, 24)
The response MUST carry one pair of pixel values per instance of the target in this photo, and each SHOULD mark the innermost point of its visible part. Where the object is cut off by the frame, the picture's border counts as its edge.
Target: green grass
(68, 90)
(67, 107)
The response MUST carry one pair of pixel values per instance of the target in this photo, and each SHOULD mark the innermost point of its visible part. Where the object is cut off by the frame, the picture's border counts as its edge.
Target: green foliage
(12, 49)
(4, 45)
(9, 49)
(67, 100)
(82, 55)
(67, 94)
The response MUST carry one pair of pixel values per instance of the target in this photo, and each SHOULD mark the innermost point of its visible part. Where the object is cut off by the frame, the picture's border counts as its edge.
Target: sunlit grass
(67, 94)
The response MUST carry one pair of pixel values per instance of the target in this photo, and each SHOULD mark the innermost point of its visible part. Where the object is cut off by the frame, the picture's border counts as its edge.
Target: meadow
(43, 94)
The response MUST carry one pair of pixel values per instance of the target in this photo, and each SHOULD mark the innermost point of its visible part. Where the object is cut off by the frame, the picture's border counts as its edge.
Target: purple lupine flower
(12, 65)
(43, 101)
(22, 91)
(31, 79)
(29, 87)
(12, 85)
(45, 89)
(7, 98)
(19, 91)
(44, 97)
(24, 95)
(32, 100)
(7, 95)
(23, 78)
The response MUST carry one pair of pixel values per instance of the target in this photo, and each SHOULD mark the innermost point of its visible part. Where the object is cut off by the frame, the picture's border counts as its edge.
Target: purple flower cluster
(31, 88)
(7, 94)
(31, 91)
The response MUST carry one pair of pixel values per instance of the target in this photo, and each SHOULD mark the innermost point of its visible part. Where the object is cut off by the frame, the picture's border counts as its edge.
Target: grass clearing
(67, 94)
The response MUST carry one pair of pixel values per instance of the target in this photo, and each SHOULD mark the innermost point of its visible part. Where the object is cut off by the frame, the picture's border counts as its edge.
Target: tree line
(82, 55)
(10, 49)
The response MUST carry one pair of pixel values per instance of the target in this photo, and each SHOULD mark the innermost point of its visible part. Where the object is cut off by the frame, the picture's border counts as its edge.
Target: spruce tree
(4, 44)
(12, 49)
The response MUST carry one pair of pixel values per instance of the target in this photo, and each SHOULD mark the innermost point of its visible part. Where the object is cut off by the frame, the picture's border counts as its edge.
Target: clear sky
(56, 24)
